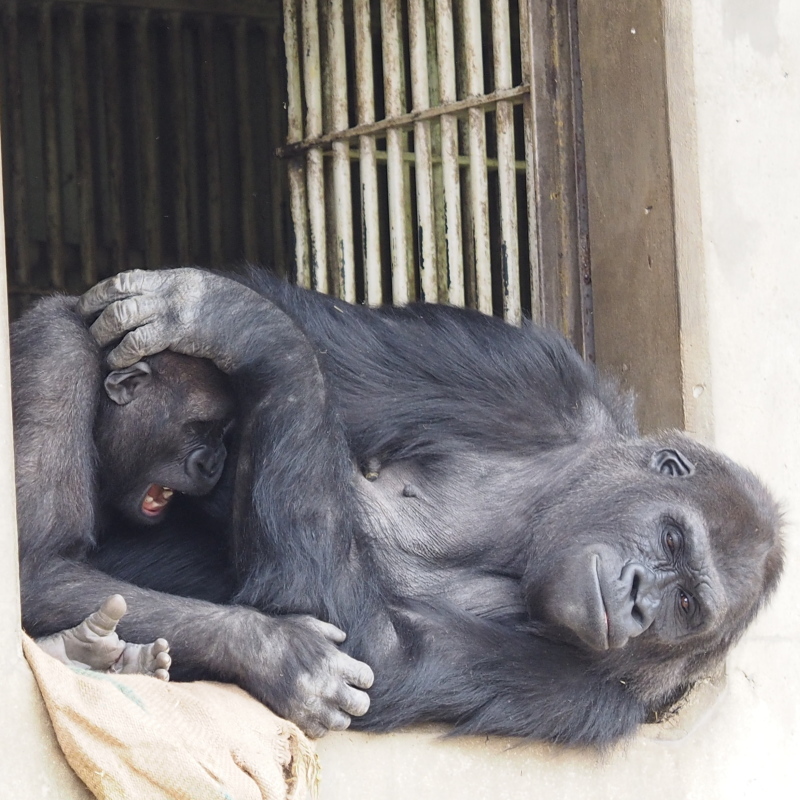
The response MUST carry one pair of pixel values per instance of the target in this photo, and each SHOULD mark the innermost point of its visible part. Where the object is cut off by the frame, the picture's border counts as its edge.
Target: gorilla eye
(672, 539)
(672, 463)
(685, 602)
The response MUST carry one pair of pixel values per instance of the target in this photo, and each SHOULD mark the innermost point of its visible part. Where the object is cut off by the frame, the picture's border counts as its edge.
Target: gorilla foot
(94, 644)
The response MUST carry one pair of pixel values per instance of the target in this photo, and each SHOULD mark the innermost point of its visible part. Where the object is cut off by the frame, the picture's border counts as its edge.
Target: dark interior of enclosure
(136, 138)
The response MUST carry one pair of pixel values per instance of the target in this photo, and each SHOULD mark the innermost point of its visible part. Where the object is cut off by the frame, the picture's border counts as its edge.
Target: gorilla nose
(642, 599)
(204, 466)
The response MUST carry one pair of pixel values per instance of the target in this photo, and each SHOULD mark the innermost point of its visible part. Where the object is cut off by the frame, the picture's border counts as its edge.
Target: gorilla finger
(118, 287)
(163, 661)
(356, 673)
(329, 631)
(145, 341)
(105, 619)
(126, 315)
(353, 702)
(337, 721)
(313, 729)
(162, 675)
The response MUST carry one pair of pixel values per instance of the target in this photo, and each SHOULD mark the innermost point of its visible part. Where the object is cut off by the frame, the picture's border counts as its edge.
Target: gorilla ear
(123, 384)
(671, 462)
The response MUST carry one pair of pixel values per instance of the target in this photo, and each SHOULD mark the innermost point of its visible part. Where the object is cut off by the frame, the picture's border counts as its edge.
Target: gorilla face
(162, 431)
(663, 554)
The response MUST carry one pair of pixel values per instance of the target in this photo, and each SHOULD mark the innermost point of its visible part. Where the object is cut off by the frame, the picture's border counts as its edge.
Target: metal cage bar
(450, 169)
(478, 179)
(507, 178)
(420, 96)
(343, 216)
(365, 114)
(392, 87)
(52, 160)
(314, 170)
(297, 168)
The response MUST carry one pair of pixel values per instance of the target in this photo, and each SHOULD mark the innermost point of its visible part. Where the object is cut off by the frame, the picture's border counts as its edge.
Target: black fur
(474, 506)
(84, 462)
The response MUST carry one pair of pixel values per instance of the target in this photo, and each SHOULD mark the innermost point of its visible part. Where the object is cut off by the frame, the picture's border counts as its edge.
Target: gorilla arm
(292, 664)
(290, 527)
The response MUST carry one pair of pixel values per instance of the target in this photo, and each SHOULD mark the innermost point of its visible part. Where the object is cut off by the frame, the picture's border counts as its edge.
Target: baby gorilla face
(161, 429)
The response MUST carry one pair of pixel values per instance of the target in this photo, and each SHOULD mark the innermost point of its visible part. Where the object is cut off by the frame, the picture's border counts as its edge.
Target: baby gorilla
(159, 429)
(95, 645)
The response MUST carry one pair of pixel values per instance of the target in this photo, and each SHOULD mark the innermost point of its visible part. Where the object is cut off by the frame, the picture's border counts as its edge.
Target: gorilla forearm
(289, 662)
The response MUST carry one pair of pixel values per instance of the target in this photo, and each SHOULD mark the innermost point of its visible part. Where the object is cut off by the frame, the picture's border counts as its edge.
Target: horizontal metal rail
(516, 95)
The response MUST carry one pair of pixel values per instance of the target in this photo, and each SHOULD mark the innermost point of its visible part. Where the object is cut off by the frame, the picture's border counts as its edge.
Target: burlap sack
(132, 737)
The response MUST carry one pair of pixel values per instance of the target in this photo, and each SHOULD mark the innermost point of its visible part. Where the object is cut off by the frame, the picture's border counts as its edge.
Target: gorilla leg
(94, 644)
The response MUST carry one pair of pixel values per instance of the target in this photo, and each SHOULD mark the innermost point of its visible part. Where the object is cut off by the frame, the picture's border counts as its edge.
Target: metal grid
(139, 134)
(440, 137)
(427, 149)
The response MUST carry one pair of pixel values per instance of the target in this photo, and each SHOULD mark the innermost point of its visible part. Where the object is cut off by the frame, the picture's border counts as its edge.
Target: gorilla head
(654, 561)
(160, 429)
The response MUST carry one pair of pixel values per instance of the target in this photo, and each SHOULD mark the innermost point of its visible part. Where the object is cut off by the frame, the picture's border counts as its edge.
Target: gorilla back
(471, 504)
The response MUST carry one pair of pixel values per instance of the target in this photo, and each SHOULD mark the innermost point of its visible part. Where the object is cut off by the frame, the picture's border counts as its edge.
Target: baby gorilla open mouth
(156, 499)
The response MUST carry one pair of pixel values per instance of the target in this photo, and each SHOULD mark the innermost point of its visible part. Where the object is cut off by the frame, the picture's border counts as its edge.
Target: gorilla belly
(434, 537)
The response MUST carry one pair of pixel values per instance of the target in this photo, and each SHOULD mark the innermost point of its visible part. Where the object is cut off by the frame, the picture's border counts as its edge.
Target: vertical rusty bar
(52, 176)
(274, 86)
(17, 148)
(113, 120)
(365, 101)
(531, 174)
(315, 175)
(296, 169)
(246, 169)
(211, 124)
(479, 186)
(180, 165)
(451, 177)
(420, 97)
(83, 145)
(148, 148)
(507, 178)
(392, 84)
(342, 193)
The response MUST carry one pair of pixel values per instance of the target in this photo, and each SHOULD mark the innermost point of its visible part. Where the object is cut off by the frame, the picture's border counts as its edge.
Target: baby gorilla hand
(304, 677)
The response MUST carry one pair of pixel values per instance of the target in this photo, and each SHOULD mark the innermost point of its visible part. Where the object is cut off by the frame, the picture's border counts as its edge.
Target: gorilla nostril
(634, 587)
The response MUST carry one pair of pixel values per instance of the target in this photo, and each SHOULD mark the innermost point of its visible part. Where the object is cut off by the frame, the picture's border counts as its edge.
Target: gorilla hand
(187, 310)
(299, 672)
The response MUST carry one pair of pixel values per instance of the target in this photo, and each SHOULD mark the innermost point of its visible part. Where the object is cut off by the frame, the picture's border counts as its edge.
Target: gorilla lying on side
(466, 499)
(101, 453)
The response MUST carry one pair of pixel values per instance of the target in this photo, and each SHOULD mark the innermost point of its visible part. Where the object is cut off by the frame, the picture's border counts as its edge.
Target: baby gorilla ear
(123, 384)
(671, 462)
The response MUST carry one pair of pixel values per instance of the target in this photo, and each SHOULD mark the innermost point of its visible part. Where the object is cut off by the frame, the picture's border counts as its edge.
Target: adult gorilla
(468, 501)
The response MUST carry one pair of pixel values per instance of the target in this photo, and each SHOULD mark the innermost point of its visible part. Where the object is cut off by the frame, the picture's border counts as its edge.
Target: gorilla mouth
(156, 500)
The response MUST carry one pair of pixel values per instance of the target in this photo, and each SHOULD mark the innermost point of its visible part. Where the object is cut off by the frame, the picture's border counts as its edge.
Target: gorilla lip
(156, 499)
(606, 631)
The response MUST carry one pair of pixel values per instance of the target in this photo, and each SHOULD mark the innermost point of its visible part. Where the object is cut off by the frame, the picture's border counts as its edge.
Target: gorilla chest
(446, 532)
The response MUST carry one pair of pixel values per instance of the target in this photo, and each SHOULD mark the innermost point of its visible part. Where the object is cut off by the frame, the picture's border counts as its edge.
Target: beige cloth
(132, 737)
